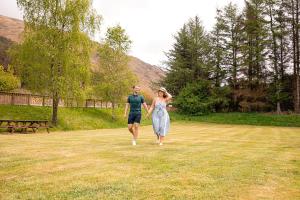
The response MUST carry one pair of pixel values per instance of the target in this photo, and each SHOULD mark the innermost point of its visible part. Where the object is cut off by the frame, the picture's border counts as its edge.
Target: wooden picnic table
(12, 125)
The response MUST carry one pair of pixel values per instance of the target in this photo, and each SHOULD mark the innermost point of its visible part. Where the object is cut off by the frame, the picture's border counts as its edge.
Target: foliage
(7, 80)
(188, 60)
(114, 80)
(200, 98)
(248, 53)
(54, 57)
(4, 46)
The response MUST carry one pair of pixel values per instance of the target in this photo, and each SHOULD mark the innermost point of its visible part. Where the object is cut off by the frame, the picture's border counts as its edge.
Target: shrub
(8, 81)
(200, 98)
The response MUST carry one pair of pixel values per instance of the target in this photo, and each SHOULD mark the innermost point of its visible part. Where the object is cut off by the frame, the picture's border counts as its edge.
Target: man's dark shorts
(134, 118)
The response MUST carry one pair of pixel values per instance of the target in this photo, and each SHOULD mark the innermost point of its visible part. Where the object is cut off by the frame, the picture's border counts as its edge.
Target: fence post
(12, 99)
(28, 99)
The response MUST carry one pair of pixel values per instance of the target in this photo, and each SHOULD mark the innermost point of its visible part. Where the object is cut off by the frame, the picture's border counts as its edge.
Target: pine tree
(254, 56)
(283, 37)
(218, 50)
(179, 63)
(271, 6)
(188, 60)
(293, 9)
(230, 24)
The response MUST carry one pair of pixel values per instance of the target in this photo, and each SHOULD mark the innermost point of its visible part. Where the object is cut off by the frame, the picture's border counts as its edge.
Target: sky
(150, 24)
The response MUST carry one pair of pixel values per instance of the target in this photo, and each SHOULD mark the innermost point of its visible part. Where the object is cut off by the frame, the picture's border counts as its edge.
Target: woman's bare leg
(161, 139)
(157, 138)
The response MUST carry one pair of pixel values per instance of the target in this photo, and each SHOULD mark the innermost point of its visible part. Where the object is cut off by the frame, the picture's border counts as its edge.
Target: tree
(218, 50)
(188, 60)
(255, 53)
(293, 12)
(254, 78)
(231, 34)
(114, 79)
(54, 57)
(274, 46)
(296, 50)
(4, 46)
(255, 41)
(201, 97)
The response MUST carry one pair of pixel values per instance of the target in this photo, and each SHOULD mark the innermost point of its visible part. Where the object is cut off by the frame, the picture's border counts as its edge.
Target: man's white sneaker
(133, 142)
(160, 144)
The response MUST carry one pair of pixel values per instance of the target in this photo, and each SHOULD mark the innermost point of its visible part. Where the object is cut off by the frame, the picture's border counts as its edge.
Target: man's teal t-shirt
(135, 102)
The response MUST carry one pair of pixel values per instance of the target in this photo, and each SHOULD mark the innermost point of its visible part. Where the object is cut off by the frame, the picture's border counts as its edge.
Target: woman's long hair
(164, 94)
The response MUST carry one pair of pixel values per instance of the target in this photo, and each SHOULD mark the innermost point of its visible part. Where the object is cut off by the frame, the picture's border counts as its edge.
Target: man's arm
(126, 109)
(145, 106)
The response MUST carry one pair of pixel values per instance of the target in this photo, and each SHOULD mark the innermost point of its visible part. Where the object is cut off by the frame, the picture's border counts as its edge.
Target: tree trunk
(55, 108)
(234, 65)
(281, 55)
(113, 111)
(278, 108)
(275, 60)
(295, 38)
(297, 104)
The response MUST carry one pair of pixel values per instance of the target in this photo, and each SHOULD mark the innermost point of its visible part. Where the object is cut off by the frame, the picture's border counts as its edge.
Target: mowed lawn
(198, 161)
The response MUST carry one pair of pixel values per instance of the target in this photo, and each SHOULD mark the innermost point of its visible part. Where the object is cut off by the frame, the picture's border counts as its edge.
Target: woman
(160, 116)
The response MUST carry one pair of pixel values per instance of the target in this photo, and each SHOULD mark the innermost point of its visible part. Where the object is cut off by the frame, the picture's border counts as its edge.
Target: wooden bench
(23, 125)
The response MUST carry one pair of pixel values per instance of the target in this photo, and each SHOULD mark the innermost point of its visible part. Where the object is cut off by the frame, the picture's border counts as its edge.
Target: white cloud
(150, 24)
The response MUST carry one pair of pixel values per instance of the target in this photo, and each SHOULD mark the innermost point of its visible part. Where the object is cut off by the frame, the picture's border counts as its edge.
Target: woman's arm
(169, 97)
(152, 107)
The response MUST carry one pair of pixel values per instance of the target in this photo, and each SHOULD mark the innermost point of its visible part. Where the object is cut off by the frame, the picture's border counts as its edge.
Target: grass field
(68, 118)
(258, 119)
(89, 118)
(198, 161)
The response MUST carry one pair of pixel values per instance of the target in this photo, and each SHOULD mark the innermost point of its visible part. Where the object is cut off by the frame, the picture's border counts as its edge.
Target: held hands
(148, 112)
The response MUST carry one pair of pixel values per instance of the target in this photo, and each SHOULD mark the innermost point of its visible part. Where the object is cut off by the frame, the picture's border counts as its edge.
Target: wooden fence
(7, 98)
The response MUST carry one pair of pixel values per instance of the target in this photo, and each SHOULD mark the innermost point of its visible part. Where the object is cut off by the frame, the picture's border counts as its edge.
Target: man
(135, 102)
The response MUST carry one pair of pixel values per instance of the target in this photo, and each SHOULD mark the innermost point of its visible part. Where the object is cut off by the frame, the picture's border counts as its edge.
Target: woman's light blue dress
(160, 119)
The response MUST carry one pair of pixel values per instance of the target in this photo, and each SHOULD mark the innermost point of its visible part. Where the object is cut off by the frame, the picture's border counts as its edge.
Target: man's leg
(136, 130)
(132, 131)
(130, 128)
